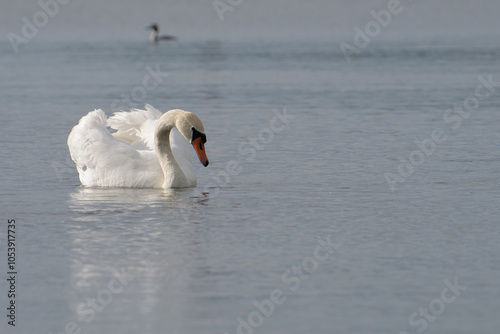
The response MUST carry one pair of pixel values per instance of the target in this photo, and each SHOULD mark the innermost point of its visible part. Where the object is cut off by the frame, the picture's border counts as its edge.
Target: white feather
(136, 127)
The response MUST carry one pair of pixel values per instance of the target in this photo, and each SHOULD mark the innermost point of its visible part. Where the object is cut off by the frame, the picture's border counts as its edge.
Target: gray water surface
(199, 260)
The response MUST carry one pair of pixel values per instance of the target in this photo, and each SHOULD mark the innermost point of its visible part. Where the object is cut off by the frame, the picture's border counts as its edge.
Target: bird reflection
(155, 236)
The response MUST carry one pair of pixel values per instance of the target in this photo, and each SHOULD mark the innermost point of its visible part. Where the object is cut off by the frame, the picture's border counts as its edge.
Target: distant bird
(155, 38)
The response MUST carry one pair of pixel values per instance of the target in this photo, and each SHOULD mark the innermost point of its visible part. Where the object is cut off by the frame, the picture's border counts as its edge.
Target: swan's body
(148, 150)
(155, 37)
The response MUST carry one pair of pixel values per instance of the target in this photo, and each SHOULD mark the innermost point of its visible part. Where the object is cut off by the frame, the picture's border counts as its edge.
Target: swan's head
(191, 128)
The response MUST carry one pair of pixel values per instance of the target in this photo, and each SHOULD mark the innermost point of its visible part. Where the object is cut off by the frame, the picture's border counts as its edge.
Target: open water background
(198, 258)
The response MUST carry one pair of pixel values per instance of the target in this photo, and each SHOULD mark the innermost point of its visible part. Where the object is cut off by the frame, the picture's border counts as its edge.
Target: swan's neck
(174, 177)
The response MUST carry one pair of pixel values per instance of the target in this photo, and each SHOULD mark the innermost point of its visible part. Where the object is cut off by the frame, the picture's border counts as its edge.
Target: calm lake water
(294, 227)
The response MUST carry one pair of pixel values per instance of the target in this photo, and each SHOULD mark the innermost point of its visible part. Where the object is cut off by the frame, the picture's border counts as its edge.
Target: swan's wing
(102, 160)
(182, 152)
(136, 127)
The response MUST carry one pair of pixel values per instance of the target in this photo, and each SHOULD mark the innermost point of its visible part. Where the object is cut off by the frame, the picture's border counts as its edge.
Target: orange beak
(199, 147)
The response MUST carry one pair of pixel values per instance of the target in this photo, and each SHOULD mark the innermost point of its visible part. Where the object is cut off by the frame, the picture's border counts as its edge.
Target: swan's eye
(198, 134)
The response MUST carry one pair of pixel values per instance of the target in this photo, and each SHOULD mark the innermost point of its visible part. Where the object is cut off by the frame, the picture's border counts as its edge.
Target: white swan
(148, 149)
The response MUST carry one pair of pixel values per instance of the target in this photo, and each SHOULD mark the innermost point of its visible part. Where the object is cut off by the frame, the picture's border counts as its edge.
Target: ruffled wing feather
(136, 126)
(104, 161)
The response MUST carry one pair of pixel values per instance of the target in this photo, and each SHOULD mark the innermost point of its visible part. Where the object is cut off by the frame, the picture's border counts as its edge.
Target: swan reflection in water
(169, 203)
(156, 236)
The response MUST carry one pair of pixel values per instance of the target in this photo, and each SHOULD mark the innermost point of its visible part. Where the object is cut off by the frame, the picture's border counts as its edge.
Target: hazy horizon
(287, 19)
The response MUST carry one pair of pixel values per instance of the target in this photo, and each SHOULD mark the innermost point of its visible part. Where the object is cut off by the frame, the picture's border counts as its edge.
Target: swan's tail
(78, 138)
(93, 119)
